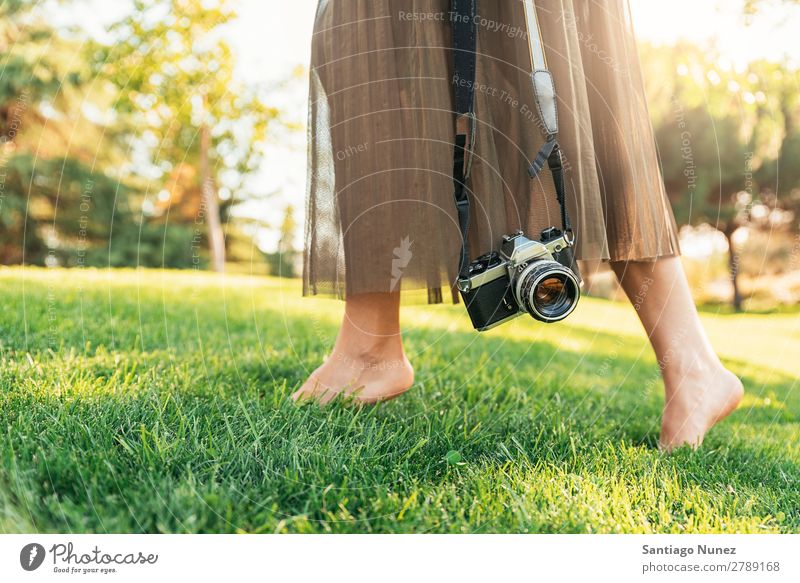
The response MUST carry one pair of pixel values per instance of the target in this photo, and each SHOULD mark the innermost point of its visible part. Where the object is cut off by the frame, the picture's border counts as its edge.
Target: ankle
(369, 352)
(689, 367)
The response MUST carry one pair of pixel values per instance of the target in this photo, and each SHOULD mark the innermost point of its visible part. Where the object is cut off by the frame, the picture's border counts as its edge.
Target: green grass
(158, 402)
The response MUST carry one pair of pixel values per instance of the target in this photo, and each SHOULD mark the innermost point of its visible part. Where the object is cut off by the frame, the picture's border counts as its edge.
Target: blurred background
(171, 133)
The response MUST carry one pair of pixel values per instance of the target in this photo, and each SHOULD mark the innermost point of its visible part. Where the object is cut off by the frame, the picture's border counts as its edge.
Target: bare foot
(703, 397)
(366, 378)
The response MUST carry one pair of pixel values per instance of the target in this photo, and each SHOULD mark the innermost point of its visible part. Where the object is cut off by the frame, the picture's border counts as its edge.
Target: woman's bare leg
(699, 390)
(368, 361)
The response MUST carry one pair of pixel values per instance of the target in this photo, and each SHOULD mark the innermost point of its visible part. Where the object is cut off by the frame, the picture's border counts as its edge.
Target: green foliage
(173, 74)
(283, 262)
(728, 141)
(39, 194)
(152, 245)
(60, 203)
(159, 402)
(701, 187)
(721, 131)
(29, 66)
(95, 224)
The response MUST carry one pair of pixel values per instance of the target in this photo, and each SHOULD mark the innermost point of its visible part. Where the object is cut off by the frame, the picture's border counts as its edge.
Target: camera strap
(463, 17)
(544, 92)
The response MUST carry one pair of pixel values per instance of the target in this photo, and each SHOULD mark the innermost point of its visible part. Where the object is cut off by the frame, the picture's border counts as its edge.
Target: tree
(724, 137)
(41, 174)
(28, 72)
(178, 95)
(284, 260)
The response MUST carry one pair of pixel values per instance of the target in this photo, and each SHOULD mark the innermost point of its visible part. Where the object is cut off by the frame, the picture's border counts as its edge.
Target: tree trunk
(733, 266)
(216, 238)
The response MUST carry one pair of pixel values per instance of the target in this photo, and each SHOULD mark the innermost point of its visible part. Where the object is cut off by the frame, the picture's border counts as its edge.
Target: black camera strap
(463, 18)
(464, 54)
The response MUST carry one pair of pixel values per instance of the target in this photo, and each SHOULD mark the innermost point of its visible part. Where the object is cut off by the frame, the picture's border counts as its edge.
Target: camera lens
(547, 290)
(549, 293)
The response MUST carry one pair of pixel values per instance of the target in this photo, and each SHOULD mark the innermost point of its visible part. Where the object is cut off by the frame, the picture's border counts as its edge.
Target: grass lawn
(157, 401)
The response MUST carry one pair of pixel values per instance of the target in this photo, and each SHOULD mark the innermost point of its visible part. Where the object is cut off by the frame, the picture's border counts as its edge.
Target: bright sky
(272, 37)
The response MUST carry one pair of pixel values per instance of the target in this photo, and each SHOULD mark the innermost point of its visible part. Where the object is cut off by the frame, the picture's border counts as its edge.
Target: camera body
(525, 276)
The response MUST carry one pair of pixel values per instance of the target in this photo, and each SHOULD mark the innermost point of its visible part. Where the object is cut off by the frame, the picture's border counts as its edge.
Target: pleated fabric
(380, 215)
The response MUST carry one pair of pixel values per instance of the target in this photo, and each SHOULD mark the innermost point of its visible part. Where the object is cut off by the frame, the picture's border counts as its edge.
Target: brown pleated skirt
(380, 213)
